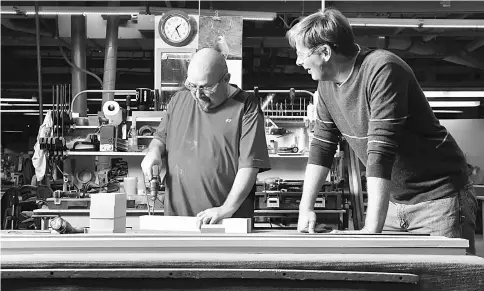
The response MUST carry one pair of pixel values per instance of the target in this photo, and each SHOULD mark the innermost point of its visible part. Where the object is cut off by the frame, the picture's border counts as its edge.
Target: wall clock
(177, 28)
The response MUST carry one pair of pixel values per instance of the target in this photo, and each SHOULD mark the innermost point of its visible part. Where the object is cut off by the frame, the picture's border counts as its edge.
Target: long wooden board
(177, 242)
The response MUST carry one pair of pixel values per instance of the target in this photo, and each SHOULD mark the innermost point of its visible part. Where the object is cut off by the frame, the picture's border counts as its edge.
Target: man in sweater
(214, 143)
(416, 173)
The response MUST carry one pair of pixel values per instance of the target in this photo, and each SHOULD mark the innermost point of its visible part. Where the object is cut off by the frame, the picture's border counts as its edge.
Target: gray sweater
(386, 119)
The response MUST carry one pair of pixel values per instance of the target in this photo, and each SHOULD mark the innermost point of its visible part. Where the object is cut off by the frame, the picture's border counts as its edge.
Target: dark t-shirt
(383, 114)
(206, 149)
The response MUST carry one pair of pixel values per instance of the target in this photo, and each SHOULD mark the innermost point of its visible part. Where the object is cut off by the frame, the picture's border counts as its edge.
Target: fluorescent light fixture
(80, 13)
(28, 105)
(32, 114)
(246, 15)
(454, 94)
(12, 131)
(80, 10)
(362, 24)
(257, 18)
(418, 23)
(72, 10)
(21, 111)
(18, 100)
(455, 103)
(448, 111)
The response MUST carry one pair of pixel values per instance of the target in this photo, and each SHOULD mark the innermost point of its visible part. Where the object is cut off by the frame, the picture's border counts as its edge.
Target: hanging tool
(128, 104)
(156, 100)
(292, 96)
(163, 98)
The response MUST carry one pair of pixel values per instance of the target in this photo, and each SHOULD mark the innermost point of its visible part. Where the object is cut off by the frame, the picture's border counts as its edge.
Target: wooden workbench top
(260, 241)
(419, 262)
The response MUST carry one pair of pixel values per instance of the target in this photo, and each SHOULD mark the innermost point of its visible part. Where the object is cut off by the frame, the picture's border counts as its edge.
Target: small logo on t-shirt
(228, 120)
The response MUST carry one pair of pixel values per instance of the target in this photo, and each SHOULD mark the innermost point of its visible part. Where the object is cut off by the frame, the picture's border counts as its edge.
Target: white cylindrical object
(113, 112)
(131, 185)
(302, 140)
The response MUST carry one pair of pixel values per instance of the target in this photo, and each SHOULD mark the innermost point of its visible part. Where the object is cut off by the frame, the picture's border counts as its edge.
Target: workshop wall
(469, 134)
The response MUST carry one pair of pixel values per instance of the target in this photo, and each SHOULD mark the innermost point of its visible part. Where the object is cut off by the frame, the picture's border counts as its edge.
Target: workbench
(263, 260)
(80, 217)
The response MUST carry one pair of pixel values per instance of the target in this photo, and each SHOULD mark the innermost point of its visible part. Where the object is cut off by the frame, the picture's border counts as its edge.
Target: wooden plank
(189, 224)
(176, 273)
(231, 243)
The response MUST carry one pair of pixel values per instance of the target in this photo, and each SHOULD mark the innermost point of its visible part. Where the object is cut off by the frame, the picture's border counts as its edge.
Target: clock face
(176, 28)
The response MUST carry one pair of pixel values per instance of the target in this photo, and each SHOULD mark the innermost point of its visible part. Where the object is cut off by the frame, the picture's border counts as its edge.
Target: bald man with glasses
(213, 142)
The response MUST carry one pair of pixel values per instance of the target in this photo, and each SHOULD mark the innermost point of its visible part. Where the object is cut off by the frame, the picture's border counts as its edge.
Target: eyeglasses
(302, 57)
(207, 90)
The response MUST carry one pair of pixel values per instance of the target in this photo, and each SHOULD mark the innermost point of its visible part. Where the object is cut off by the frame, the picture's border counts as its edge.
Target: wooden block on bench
(212, 228)
(107, 225)
(108, 205)
(189, 224)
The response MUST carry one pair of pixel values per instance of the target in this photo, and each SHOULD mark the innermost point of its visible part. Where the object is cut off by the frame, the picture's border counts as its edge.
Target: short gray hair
(329, 27)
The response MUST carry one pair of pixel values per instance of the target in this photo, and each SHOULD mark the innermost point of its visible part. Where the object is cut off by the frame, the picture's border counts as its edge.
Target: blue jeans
(453, 216)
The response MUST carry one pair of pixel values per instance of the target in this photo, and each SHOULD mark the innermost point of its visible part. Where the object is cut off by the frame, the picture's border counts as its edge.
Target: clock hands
(177, 30)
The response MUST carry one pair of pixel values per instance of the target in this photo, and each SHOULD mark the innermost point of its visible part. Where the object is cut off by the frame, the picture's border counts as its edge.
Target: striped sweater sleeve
(389, 111)
(326, 137)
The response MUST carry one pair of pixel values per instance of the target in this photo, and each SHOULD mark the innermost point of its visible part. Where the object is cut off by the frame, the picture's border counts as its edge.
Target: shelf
(87, 153)
(291, 211)
(282, 193)
(68, 212)
(141, 119)
(86, 126)
(288, 156)
(280, 121)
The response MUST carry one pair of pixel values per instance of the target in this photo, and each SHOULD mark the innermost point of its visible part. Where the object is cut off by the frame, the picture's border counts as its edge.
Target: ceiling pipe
(111, 50)
(39, 65)
(78, 51)
(22, 27)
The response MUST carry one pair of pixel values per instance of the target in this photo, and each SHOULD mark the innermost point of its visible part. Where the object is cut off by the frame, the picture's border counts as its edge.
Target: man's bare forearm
(157, 147)
(313, 180)
(378, 198)
(243, 183)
